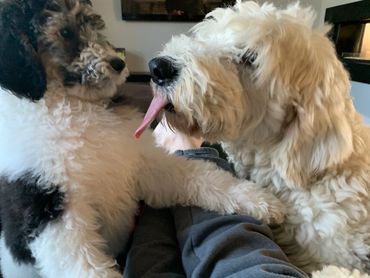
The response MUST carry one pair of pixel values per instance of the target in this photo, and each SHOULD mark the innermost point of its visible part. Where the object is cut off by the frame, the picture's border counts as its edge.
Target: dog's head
(56, 43)
(262, 77)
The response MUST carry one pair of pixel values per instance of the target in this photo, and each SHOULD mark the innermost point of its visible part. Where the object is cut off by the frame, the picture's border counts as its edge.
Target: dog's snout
(162, 70)
(117, 64)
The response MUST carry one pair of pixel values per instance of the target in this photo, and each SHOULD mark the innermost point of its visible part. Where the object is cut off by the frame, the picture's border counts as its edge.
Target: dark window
(351, 35)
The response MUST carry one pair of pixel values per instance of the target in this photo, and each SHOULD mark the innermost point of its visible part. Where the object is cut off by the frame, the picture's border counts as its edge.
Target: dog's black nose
(162, 70)
(117, 64)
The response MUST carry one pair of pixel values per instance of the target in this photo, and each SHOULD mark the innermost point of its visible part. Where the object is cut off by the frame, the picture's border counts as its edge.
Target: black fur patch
(70, 78)
(21, 71)
(26, 208)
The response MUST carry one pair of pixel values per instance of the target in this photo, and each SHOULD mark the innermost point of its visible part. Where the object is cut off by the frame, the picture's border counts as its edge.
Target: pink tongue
(155, 107)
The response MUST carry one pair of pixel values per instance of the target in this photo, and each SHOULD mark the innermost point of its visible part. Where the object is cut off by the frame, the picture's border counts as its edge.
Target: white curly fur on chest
(64, 141)
(54, 135)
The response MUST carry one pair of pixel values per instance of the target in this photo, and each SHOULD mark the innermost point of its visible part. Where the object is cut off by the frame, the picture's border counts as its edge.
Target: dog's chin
(89, 92)
(103, 81)
(96, 89)
(179, 122)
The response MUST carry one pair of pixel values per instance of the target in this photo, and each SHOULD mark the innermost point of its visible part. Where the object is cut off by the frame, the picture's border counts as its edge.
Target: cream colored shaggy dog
(269, 87)
(71, 172)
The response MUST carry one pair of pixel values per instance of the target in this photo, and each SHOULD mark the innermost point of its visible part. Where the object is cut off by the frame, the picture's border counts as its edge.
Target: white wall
(361, 98)
(142, 40)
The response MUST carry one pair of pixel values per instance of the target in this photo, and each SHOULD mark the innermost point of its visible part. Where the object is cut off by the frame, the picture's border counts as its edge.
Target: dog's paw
(258, 203)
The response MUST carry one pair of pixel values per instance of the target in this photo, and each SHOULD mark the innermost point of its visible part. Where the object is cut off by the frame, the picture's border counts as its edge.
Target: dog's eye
(210, 17)
(248, 58)
(66, 33)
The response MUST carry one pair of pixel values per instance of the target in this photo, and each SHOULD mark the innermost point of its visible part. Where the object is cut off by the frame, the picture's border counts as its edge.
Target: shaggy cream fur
(71, 140)
(269, 86)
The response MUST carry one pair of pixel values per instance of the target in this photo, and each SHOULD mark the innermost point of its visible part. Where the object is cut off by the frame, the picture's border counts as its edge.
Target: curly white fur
(338, 272)
(269, 86)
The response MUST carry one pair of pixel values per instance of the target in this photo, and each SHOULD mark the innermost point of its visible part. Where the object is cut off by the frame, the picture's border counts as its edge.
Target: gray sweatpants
(191, 242)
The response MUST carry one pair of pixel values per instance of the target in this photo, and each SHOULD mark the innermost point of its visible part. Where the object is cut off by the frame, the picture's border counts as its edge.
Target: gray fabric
(206, 153)
(191, 242)
(154, 250)
(228, 246)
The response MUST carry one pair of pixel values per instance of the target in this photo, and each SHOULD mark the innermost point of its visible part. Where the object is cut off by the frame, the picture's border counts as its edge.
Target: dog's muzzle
(162, 70)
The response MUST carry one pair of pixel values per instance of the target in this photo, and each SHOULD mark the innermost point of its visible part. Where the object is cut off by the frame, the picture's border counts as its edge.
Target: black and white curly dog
(71, 171)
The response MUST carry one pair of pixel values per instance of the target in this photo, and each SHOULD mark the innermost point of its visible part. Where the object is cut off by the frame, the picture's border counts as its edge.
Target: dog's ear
(21, 71)
(318, 134)
(33, 7)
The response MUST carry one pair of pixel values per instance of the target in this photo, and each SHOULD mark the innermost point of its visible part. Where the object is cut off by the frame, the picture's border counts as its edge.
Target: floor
(136, 94)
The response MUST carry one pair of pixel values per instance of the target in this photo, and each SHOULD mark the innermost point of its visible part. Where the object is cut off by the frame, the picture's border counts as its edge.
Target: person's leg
(154, 250)
(214, 245)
